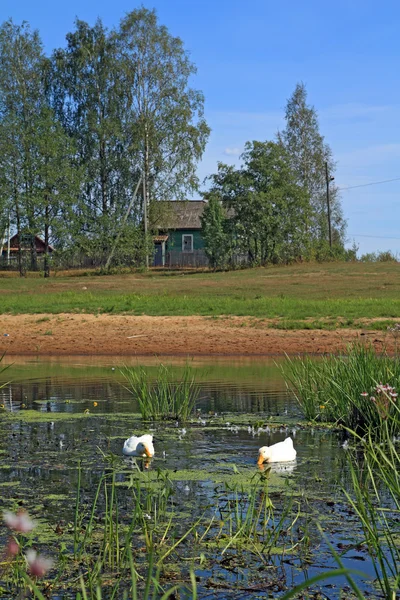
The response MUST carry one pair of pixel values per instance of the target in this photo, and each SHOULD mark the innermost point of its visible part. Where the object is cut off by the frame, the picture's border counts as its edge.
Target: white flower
(21, 522)
(38, 564)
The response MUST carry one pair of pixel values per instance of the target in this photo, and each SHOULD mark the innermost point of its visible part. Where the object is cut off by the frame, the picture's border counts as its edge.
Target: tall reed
(164, 398)
(349, 390)
(376, 500)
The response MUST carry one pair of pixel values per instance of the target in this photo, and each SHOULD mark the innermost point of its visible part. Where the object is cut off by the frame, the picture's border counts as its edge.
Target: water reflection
(54, 394)
(205, 459)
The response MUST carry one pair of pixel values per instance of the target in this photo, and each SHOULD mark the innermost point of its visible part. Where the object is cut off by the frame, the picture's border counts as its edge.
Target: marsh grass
(131, 542)
(165, 398)
(248, 518)
(343, 389)
(126, 551)
(375, 499)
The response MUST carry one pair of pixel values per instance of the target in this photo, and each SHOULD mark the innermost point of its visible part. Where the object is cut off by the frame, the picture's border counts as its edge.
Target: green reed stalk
(376, 501)
(165, 398)
(89, 528)
(78, 491)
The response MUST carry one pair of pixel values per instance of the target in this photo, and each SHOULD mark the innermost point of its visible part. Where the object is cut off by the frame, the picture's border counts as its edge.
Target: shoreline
(72, 334)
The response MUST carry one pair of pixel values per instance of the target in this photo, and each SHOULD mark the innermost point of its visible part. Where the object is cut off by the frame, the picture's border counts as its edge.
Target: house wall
(175, 239)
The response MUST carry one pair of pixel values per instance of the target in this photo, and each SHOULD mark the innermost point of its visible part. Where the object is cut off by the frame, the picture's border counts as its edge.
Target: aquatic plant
(164, 398)
(248, 518)
(347, 389)
(2, 369)
(375, 498)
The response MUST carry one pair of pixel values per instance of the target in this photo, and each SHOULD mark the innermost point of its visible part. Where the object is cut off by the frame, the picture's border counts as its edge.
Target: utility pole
(145, 218)
(328, 180)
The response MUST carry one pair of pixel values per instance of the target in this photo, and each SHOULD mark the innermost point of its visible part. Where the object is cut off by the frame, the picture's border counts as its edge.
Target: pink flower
(21, 522)
(365, 394)
(38, 564)
(12, 548)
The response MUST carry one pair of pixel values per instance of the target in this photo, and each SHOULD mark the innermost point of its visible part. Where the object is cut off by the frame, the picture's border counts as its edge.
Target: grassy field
(306, 295)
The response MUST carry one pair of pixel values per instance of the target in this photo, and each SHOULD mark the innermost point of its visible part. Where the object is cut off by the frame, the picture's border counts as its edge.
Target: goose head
(145, 446)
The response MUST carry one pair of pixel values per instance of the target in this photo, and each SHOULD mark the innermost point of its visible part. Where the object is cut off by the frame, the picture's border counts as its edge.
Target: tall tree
(38, 175)
(88, 98)
(21, 96)
(267, 204)
(308, 154)
(56, 184)
(167, 129)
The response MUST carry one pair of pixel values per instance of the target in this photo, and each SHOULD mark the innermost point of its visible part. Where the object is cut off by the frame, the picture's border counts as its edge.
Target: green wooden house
(179, 241)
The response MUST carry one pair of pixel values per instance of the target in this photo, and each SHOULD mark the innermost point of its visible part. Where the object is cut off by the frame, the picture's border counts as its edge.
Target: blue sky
(250, 55)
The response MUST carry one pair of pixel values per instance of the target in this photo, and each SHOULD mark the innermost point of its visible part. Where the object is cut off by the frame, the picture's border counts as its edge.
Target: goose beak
(147, 452)
(260, 459)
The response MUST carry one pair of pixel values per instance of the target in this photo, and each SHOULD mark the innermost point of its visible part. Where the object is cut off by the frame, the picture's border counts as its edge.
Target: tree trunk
(34, 263)
(18, 220)
(103, 178)
(46, 266)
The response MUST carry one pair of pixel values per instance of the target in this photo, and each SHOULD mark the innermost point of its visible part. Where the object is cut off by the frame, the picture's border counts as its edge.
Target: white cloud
(232, 151)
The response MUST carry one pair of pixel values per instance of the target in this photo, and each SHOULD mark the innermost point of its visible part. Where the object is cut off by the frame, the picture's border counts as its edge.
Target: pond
(50, 424)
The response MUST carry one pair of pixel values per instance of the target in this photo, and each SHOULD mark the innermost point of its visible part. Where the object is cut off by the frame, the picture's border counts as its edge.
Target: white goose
(280, 452)
(139, 446)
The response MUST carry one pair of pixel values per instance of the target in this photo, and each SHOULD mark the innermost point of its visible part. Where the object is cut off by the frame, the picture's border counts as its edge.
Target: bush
(386, 256)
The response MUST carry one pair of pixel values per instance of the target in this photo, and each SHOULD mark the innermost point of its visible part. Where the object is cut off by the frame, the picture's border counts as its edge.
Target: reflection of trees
(243, 399)
(56, 392)
(218, 397)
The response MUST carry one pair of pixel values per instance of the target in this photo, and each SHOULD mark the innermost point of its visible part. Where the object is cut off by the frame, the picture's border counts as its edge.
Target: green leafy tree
(21, 98)
(167, 132)
(266, 203)
(57, 183)
(215, 230)
(308, 154)
(88, 96)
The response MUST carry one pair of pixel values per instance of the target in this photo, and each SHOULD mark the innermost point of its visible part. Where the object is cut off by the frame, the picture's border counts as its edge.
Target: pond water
(243, 404)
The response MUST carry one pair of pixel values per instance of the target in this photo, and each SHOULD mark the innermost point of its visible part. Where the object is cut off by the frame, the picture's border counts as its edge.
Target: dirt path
(69, 334)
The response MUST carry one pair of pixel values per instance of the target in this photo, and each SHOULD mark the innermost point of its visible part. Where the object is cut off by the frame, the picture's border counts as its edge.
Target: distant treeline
(80, 128)
(109, 125)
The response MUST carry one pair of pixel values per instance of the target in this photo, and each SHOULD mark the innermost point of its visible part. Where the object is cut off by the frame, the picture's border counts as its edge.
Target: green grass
(375, 499)
(305, 296)
(344, 389)
(166, 398)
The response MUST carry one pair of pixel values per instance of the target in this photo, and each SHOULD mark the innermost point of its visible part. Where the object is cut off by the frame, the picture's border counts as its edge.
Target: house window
(187, 243)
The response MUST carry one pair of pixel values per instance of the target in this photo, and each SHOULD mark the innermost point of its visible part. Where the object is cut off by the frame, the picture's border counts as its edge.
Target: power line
(352, 187)
(381, 237)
